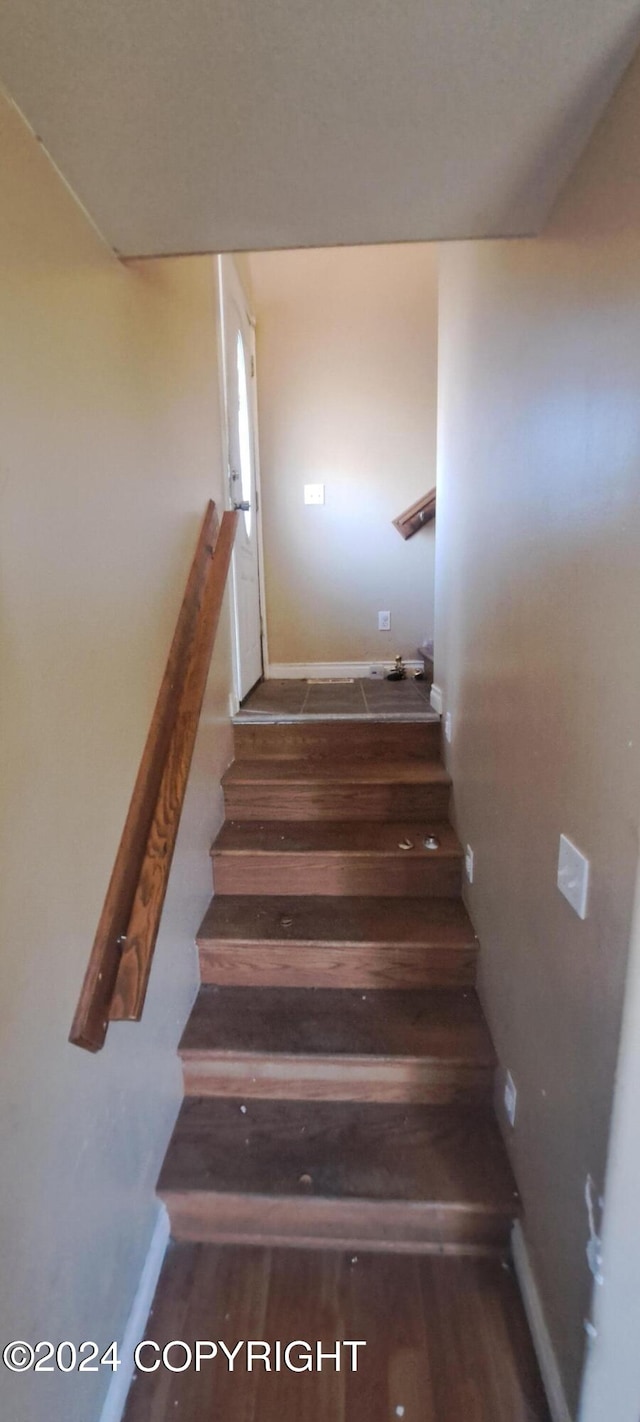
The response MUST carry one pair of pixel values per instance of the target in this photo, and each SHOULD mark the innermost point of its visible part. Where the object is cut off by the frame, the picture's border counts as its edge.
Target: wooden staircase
(338, 1070)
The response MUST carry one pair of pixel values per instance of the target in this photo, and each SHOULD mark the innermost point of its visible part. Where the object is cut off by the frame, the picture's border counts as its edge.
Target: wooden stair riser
(363, 740)
(417, 1227)
(338, 966)
(376, 874)
(284, 1076)
(337, 801)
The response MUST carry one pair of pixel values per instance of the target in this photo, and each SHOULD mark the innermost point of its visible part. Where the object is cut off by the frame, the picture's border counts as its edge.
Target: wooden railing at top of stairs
(117, 975)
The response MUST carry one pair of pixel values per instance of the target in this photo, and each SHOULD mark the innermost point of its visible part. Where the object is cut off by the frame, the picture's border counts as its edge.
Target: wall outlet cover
(510, 1098)
(314, 493)
(573, 876)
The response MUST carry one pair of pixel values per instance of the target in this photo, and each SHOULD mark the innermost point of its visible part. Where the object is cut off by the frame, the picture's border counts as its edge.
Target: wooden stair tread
(447, 1156)
(337, 942)
(323, 921)
(347, 838)
(264, 771)
(379, 789)
(446, 1026)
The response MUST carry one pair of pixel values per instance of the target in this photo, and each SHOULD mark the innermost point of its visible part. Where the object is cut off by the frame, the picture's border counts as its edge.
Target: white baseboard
(302, 671)
(545, 1353)
(437, 698)
(134, 1332)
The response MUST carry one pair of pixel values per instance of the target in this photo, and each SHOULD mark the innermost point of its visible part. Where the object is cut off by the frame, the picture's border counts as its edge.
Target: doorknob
(243, 506)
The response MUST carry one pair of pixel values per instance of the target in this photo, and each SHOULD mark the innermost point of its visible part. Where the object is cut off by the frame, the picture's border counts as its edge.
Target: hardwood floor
(447, 1340)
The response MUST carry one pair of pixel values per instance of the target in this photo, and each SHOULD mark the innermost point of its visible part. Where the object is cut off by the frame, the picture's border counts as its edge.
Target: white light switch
(384, 621)
(314, 493)
(573, 876)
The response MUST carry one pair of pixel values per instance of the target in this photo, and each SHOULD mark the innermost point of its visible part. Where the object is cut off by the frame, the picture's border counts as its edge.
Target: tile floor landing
(365, 698)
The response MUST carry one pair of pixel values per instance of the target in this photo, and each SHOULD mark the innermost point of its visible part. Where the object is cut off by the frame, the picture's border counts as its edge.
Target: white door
(239, 387)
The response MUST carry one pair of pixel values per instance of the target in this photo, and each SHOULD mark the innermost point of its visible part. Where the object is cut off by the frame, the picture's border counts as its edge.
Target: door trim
(225, 263)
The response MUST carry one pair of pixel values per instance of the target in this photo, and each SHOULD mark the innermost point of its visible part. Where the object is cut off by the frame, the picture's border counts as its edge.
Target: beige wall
(612, 1377)
(347, 354)
(109, 449)
(537, 618)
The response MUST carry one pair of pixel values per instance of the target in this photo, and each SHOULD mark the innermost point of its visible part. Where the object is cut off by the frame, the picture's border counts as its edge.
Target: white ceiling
(206, 125)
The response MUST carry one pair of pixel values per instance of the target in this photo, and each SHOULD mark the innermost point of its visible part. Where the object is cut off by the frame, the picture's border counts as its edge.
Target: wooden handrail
(117, 974)
(417, 516)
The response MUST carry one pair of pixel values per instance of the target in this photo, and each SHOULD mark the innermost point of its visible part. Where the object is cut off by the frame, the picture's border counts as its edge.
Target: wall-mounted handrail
(117, 973)
(417, 516)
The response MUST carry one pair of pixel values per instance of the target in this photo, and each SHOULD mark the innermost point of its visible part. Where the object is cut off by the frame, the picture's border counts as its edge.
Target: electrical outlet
(510, 1098)
(468, 863)
(314, 493)
(448, 727)
(384, 621)
(573, 876)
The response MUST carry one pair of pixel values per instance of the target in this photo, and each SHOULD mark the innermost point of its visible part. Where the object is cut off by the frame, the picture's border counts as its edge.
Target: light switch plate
(314, 493)
(384, 621)
(573, 876)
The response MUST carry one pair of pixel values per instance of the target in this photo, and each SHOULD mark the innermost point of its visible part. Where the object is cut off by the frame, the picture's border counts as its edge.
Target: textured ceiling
(206, 125)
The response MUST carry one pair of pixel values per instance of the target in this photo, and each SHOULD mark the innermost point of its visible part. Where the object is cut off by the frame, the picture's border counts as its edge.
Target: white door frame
(227, 269)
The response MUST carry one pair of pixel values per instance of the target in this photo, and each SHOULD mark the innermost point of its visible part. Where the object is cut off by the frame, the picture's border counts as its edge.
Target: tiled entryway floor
(365, 698)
